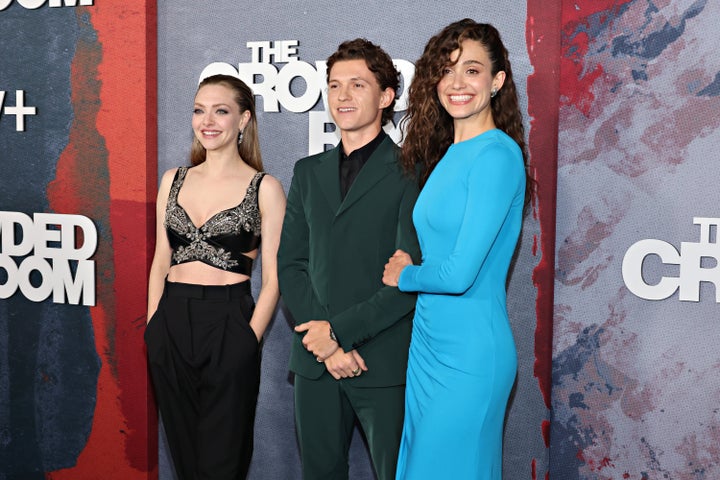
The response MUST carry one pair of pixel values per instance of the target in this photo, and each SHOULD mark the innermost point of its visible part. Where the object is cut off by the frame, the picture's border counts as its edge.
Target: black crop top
(224, 239)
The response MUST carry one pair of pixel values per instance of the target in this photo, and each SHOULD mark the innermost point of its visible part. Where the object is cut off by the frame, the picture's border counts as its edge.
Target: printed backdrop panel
(635, 383)
(74, 150)
(634, 389)
(280, 47)
(78, 175)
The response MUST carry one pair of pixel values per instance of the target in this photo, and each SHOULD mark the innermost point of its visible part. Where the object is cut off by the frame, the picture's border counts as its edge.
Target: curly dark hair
(430, 128)
(378, 62)
(249, 149)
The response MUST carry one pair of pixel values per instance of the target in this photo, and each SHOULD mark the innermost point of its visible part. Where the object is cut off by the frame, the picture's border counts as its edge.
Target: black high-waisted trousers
(205, 365)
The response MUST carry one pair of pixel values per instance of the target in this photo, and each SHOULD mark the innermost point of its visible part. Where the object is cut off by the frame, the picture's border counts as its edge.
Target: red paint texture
(533, 469)
(592, 464)
(580, 456)
(543, 42)
(108, 172)
(576, 76)
(546, 432)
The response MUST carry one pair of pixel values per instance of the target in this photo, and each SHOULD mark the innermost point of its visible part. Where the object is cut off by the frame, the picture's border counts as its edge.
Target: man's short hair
(378, 62)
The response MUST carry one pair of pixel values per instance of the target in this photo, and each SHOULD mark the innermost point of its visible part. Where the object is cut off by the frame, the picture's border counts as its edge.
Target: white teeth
(460, 98)
(342, 110)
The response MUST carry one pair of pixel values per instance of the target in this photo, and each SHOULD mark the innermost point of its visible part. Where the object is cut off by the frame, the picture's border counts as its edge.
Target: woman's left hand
(394, 267)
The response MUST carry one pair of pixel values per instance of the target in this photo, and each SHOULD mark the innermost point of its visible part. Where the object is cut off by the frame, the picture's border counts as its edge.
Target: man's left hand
(317, 338)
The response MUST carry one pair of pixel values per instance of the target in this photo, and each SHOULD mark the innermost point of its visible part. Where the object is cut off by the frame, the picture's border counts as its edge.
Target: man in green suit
(348, 210)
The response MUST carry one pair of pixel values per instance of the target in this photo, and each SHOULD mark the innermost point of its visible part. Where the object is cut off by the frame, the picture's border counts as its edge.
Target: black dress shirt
(351, 164)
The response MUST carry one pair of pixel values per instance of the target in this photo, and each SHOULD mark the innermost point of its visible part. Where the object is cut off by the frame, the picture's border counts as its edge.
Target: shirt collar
(363, 153)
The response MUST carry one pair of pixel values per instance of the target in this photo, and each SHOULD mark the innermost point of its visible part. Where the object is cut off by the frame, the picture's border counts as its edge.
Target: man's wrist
(332, 335)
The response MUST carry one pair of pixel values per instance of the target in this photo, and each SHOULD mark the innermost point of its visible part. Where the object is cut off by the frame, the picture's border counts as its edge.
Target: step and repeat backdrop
(636, 390)
(279, 48)
(613, 294)
(78, 171)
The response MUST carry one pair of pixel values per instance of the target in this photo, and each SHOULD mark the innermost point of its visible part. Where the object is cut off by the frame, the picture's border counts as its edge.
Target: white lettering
(313, 86)
(321, 67)
(84, 283)
(8, 288)
(278, 87)
(31, 4)
(699, 262)
(70, 226)
(70, 3)
(58, 241)
(632, 267)
(274, 87)
(281, 51)
(697, 259)
(407, 72)
(43, 267)
(264, 87)
(9, 243)
(19, 110)
(35, 4)
(321, 132)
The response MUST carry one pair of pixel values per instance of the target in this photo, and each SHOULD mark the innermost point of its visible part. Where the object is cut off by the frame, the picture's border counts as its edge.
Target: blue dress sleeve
(495, 183)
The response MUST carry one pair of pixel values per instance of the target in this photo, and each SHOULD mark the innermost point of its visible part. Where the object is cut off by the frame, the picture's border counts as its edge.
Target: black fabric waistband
(208, 292)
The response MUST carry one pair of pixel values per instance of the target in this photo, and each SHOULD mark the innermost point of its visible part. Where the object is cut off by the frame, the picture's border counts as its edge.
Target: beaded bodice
(224, 239)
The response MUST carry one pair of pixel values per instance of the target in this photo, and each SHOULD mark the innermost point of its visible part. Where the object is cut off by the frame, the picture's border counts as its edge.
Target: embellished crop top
(224, 239)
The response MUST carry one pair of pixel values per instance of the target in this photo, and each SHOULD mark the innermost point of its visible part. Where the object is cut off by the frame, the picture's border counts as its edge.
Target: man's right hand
(345, 365)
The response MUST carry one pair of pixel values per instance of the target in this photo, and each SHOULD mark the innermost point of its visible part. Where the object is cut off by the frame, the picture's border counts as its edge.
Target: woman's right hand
(394, 267)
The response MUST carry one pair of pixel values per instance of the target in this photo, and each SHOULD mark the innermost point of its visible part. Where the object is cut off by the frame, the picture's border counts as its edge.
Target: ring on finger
(356, 372)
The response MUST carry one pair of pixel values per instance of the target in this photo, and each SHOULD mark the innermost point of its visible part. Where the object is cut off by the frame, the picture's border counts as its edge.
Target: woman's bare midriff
(200, 273)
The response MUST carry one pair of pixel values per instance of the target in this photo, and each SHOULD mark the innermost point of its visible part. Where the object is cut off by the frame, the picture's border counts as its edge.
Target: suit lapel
(328, 176)
(376, 168)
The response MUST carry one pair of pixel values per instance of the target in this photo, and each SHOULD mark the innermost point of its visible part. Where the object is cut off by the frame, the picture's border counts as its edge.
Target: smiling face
(465, 87)
(217, 119)
(355, 99)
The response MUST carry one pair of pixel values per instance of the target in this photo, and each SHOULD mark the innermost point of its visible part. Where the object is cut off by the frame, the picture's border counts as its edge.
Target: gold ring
(318, 359)
(356, 372)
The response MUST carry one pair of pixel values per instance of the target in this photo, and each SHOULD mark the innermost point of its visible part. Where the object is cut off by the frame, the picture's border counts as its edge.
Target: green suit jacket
(332, 255)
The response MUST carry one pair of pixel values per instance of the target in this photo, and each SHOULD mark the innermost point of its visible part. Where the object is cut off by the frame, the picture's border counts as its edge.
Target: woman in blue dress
(465, 133)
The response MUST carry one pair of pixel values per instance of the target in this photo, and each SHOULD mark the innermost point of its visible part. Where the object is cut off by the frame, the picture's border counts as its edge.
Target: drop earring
(493, 92)
(240, 137)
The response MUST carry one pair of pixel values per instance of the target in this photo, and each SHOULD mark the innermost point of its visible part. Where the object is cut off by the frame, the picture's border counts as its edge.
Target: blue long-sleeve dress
(463, 360)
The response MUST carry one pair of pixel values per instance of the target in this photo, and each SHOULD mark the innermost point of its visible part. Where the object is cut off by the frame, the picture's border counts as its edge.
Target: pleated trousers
(205, 366)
